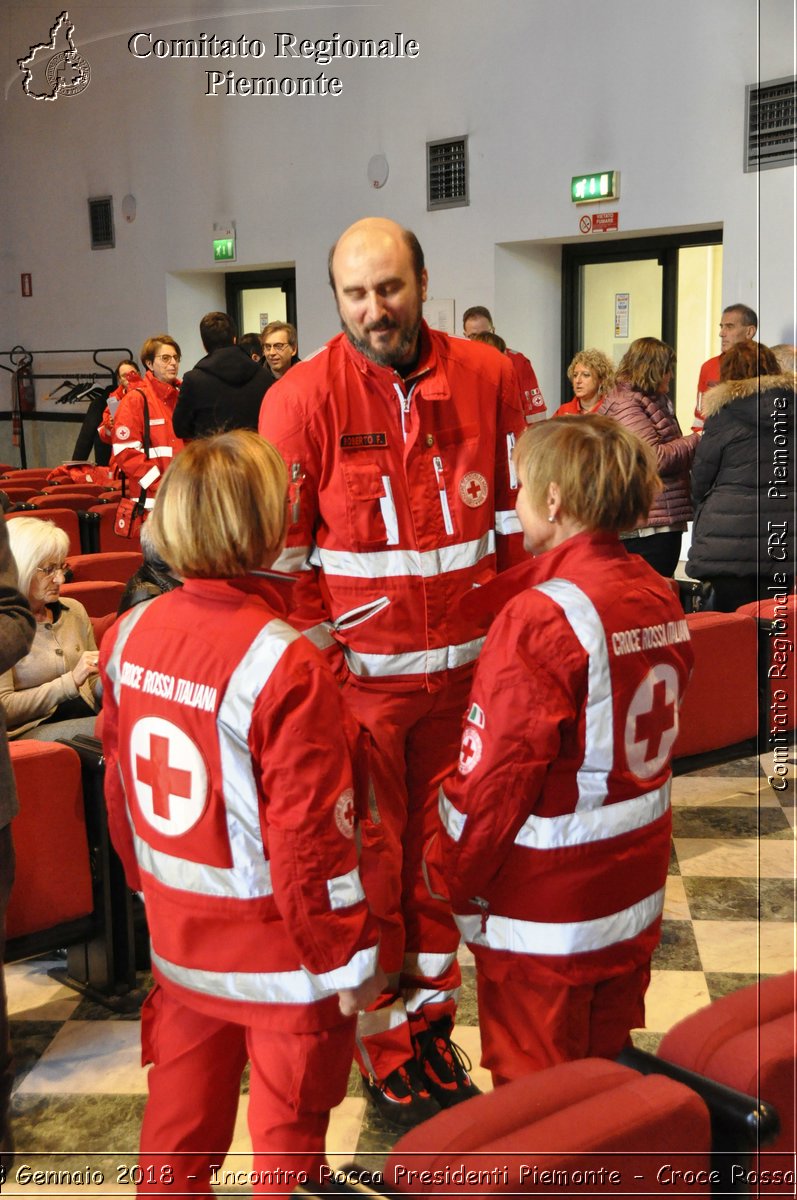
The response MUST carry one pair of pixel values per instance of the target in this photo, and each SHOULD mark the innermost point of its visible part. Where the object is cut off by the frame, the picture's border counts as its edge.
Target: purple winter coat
(653, 420)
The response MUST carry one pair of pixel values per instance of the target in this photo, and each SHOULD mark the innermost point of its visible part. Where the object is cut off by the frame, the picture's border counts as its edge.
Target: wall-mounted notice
(622, 304)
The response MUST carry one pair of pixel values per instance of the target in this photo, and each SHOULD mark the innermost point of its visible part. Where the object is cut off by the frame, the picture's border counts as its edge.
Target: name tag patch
(363, 441)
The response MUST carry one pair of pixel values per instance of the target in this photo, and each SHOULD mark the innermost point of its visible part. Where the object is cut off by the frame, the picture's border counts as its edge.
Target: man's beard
(400, 353)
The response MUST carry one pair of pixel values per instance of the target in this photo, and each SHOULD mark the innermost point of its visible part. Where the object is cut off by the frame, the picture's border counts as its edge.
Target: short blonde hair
(645, 363)
(599, 364)
(34, 542)
(220, 511)
(606, 475)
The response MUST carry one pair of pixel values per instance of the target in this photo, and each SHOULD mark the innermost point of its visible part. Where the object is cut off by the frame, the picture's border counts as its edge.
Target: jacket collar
(740, 389)
(428, 370)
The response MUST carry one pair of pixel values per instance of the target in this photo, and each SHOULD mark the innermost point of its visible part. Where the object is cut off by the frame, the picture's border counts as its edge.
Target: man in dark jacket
(16, 634)
(226, 387)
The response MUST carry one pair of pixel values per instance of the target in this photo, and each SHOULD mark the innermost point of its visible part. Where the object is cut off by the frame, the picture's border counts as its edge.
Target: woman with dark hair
(743, 480)
(640, 401)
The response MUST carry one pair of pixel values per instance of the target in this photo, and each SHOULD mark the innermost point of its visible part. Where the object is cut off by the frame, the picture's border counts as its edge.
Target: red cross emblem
(169, 776)
(470, 751)
(473, 489)
(344, 813)
(652, 723)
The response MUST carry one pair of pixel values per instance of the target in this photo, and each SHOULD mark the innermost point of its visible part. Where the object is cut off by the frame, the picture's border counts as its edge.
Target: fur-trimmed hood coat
(743, 480)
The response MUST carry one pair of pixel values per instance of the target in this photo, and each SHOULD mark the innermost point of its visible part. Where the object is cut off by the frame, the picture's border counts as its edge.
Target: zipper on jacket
(441, 490)
(484, 907)
(405, 402)
(296, 491)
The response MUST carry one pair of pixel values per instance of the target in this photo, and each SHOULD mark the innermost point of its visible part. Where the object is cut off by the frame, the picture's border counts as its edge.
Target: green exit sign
(603, 185)
(224, 249)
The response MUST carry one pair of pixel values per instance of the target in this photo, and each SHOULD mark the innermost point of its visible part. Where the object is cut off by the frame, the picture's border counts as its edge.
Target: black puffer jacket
(223, 391)
(743, 480)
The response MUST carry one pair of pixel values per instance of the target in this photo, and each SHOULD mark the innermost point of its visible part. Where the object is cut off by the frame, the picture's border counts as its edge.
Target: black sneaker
(444, 1065)
(402, 1099)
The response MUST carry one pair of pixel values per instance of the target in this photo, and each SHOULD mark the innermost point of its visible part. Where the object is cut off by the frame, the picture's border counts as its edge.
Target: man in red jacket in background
(739, 324)
(477, 319)
(398, 442)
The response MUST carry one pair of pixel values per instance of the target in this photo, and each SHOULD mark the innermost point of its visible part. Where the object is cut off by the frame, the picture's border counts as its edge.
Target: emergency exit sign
(603, 185)
(224, 249)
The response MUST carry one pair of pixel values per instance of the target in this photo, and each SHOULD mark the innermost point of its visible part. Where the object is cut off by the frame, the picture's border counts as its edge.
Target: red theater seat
(720, 707)
(746, 1040)
(118, 565)
(101, 625)
(64, 518)
(76, 501)
(106, 534)
(777, 666)
(53, 878)
(536, 1134)
(98, 596)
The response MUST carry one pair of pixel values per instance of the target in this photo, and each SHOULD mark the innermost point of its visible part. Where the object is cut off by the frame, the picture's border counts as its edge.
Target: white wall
(543, 88)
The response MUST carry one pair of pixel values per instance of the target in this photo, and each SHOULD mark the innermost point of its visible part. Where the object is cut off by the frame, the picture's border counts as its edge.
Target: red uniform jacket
(399, 490)
(230, 802)
(530, 394)
(558, 819)
(709, 377)
(145, 470)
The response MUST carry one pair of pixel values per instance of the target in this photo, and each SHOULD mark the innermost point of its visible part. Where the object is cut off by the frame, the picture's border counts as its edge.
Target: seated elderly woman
(592, 376)
(53, 692)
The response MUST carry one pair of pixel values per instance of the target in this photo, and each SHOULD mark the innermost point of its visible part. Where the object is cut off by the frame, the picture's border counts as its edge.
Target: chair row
(90, 530)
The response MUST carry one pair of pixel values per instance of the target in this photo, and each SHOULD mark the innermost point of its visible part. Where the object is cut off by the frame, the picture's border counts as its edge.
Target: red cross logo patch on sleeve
(169, 774)
(344, 813)
(121, 433)
(473, 489)
(470, 751)
(651, 726)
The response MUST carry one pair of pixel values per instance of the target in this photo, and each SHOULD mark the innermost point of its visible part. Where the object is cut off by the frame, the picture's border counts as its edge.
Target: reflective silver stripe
(124, 628)
(345, 890)
(292, 559)
(426, 965)
(118, 447)
(418, 997)
(583, 619)
(381, 1019)
(320, 636)
(161, 451)
(271, 987)
(592, 825)
(389, 515)
(385, 564)
(560, 938)
(198, 878)
(149, 502)
(414, 662)
(149, 477)
(453, 820)
(157, 421)
(507, 522)
(510, 446)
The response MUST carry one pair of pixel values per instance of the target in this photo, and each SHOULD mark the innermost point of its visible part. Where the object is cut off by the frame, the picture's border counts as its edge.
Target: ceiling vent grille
(101, 222)
(771, 124)
(447, 173)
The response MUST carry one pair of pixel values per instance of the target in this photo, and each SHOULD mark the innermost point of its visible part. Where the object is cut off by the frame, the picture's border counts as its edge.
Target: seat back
(720, 706)
(533, 1134)
(108, 564)
(64, 518)
(746, 1040)
(98, 596)
(76, 501)
(105, 530)
(82, 489)
(53, 884)
(776, 623)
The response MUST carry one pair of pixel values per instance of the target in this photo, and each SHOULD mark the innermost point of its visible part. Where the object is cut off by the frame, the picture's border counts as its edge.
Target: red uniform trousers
(416, 735)
(529, 1020)
(194, 1087)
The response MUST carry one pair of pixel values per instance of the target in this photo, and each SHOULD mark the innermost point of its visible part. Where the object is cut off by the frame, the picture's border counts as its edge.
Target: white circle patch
(344, 813)
(470, 751)
(169, 774)
(121, 433)
(651, 726)
(473, 489)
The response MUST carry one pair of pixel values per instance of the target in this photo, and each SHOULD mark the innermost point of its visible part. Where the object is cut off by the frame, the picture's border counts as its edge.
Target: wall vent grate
(771, 124)
(447, 173)
(101, 223)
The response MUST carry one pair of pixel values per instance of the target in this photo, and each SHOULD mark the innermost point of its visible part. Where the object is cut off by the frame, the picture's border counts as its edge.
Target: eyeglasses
(53, 569)
(167, 358)
(275, 346)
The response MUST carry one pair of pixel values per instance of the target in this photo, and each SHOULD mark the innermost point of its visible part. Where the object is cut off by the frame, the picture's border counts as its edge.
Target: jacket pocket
(367, 504)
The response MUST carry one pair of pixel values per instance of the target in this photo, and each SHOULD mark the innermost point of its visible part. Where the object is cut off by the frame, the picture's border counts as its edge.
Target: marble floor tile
(723, 983)
(737, 858)
(724, 822)
(677, 950)
(34, 996)
(676, 905)
(673, 995)
(711, 899)
(85, 1056)
(746, 946)
(708, 792)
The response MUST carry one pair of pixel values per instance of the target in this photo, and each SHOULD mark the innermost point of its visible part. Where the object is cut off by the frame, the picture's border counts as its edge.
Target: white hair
(34, 542)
